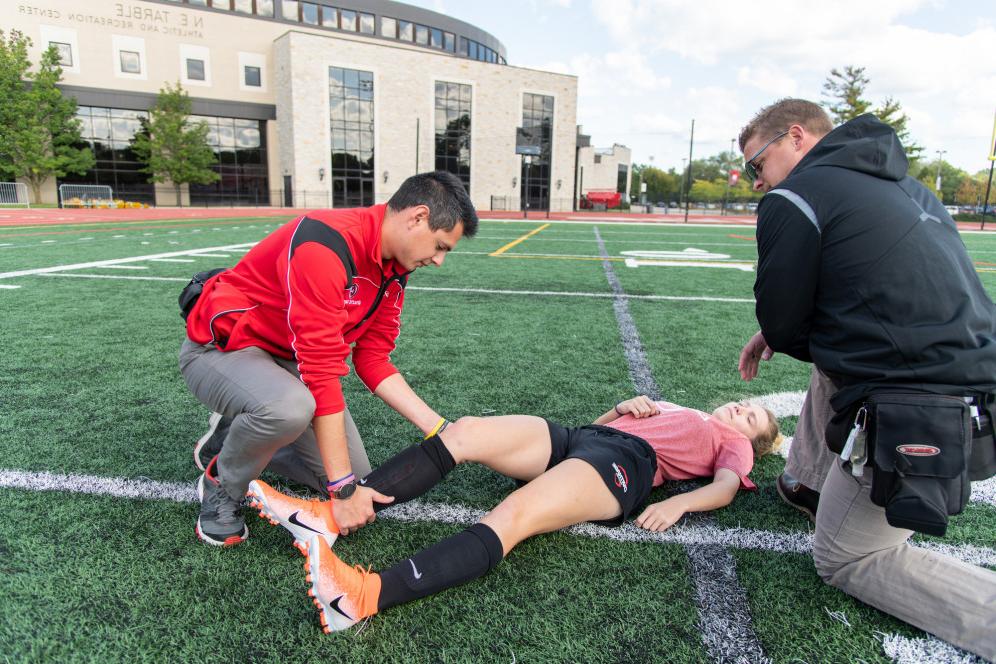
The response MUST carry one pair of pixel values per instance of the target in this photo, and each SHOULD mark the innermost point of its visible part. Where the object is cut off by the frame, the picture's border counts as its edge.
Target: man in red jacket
(267, 343)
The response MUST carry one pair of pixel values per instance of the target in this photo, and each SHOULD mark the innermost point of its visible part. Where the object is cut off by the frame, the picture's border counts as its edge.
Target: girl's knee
(459, 438)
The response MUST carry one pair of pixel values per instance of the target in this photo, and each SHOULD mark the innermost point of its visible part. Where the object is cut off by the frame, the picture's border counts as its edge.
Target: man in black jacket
(862, 272)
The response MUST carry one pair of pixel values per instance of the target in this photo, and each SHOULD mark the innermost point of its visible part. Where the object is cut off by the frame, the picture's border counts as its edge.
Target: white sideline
(119, 261)
(741, 538)
(930, 650)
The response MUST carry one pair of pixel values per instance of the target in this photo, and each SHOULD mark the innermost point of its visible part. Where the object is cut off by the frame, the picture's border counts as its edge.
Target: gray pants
(271, 411)
(855, 549)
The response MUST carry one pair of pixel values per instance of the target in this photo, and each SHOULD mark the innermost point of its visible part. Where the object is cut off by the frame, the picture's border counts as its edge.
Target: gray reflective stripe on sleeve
(803, 206)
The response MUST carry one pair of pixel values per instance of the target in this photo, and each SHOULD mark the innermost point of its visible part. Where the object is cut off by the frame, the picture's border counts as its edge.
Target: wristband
(332, 486)
(438, 429)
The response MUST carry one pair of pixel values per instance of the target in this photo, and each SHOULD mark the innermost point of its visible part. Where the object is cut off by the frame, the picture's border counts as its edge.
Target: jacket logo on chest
(351, 292)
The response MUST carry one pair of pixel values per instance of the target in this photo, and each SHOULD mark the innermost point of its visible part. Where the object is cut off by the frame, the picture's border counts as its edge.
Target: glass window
(406, 31)
(366, 23)
(330, 17)
(252, 77)
(195, 69)
(352, 135)
(449, 41)
(65, 53)
(289, 10)
(422, 35)
(464, 45)
(347, 20)
(309, 13)
(388, 27)
(472, 49)
(244, 6)
(221, 4)
(264, 7)
(537, 113)
(453, 112)
(436, 38)
(131, 62)
(199, 3)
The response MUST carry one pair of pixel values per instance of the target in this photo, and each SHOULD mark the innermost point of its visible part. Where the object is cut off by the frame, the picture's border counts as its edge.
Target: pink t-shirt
(690, 443)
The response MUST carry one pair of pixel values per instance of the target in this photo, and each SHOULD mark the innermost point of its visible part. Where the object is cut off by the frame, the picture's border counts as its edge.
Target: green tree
(39, 132)
(174, 149)
(970, 191)
(844, 90)
(951, 179)
(661, 185)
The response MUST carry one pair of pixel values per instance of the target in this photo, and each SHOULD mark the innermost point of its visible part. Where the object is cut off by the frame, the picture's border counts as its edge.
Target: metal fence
(14, 193)
(84, 195)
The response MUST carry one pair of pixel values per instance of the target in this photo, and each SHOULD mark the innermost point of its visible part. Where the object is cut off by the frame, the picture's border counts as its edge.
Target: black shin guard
(451, 562)
(412, 472)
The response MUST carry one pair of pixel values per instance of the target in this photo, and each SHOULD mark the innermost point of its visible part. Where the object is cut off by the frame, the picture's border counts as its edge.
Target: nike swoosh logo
(335, 607)
(293, 519)
(363, 481)
(415, 571)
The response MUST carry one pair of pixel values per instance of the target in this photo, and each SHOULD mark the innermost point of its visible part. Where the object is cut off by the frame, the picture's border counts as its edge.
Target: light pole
(937, 185)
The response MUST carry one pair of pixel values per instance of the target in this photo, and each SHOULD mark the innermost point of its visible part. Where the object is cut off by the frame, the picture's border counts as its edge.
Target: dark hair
(783, 114)
(444, 195)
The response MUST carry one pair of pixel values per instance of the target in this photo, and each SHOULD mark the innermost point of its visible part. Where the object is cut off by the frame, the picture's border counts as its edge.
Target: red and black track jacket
(307, 291)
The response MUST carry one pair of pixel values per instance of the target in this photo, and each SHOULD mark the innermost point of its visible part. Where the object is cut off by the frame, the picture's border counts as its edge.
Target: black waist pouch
(918, 449)
(192, 291)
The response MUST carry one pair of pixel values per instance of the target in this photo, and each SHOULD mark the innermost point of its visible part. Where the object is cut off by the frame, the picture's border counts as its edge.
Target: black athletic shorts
(626, 462)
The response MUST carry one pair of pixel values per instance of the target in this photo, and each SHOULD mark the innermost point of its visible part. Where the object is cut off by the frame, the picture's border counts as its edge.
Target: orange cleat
(344, 595)
(303, 518)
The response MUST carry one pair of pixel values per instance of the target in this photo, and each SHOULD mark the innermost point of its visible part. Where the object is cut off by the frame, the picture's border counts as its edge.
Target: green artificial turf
(89, 384)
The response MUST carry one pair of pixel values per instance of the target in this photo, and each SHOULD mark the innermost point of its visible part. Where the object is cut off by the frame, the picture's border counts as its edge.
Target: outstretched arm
(720, 493)
(639, 407)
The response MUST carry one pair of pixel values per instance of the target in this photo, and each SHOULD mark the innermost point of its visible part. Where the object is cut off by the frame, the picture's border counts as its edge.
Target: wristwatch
(345, 492)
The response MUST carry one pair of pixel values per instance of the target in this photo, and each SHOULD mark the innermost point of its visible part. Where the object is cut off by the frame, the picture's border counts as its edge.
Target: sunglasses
(753, 169)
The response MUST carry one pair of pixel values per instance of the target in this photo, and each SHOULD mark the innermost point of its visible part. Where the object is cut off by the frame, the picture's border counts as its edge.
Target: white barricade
(14, 193)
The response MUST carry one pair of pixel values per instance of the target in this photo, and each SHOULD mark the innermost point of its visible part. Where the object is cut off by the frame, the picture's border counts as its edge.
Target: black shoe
(798, 495)
(210, 443)
(220, 522)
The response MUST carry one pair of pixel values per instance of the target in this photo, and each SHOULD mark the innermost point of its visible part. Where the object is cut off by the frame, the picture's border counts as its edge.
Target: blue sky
(647, 67)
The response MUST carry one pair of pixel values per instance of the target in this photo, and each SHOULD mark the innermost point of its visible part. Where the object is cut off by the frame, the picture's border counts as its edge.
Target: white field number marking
(689, 257)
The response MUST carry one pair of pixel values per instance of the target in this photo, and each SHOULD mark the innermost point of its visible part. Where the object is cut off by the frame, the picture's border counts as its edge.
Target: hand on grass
(639, 407)
(750, 357)
(661, 516)
(357, 511)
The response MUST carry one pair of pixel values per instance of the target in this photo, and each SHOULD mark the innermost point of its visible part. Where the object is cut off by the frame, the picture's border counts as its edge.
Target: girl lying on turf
(600, 472)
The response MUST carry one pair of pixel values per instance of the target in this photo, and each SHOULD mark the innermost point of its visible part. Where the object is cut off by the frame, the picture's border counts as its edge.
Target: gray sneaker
(220, 522)
(210, 443)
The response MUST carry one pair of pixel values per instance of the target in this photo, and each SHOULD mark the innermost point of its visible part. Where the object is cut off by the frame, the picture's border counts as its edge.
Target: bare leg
(517, 446)
(571, 492)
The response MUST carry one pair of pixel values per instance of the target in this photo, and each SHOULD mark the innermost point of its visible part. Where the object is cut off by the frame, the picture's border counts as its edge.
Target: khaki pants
(271, 411)
(855, 549)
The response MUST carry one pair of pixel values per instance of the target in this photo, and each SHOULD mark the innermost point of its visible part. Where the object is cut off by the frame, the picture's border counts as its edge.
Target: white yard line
(111, 276)
(8, 286)
(119, 261)
(417, 510)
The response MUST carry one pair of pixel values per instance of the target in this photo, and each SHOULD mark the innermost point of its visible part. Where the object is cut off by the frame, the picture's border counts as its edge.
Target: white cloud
(768, 79)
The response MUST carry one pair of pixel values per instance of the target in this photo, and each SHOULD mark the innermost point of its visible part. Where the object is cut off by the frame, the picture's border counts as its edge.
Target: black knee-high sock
(451, 562)
(412, 472)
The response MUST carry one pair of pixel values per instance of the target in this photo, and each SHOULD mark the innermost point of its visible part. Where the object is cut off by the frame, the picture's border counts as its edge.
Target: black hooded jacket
(862, 272)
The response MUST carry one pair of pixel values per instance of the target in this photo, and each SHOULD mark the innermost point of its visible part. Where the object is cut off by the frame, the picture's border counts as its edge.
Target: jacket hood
(864, 144)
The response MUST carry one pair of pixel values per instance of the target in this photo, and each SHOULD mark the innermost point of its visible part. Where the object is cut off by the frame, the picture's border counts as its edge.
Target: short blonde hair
(769, 440)
(783, 114)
